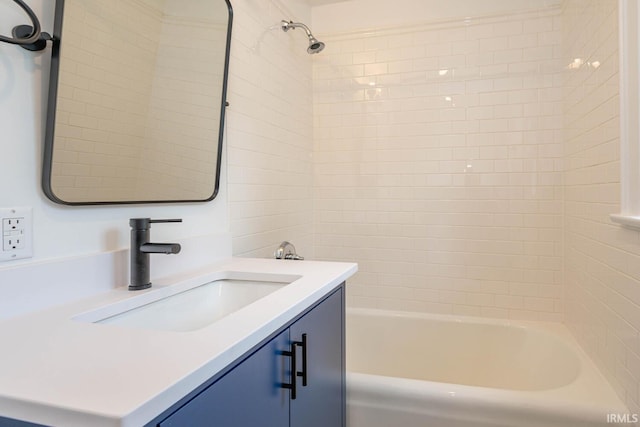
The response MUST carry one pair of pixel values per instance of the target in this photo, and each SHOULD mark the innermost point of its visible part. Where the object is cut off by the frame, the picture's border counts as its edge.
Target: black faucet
(141, 248)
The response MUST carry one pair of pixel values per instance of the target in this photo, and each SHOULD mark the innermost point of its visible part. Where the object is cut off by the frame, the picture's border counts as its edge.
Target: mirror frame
(51, 118)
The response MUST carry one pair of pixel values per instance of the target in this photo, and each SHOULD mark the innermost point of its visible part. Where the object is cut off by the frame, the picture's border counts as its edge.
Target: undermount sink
(189, 309)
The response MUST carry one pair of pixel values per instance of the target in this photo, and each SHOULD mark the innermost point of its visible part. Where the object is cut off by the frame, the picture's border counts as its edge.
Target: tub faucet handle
(287, 251)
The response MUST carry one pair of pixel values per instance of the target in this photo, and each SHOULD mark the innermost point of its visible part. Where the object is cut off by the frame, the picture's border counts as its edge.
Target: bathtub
(419, 370)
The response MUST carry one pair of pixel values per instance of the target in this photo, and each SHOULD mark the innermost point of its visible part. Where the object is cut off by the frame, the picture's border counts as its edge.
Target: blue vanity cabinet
(248, 395)
(321, 402)
(251, 393)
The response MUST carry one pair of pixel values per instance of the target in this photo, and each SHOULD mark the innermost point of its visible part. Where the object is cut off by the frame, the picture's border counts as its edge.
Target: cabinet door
(250, 395)
(321, 403)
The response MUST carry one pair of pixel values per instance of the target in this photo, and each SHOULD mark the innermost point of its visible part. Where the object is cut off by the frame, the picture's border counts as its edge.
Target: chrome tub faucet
(287, 251)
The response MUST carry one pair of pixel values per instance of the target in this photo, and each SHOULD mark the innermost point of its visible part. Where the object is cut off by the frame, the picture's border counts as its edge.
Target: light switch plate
(17, 233)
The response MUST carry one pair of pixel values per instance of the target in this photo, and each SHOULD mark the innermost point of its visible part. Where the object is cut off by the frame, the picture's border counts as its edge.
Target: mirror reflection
(137, 101)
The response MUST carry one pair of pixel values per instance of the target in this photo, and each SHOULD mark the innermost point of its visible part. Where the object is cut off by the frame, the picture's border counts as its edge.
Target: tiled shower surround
(438, 164)
(601, 260)
(454, 159)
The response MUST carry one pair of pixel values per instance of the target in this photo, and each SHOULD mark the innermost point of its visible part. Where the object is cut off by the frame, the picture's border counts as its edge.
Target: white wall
(61, 231)
(601, 258)
(270, 128)
(438, 164)
(374, 15)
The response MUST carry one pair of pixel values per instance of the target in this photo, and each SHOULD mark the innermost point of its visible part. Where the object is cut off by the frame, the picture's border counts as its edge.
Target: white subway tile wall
(601, 259)
(438, 159)
(269, 131)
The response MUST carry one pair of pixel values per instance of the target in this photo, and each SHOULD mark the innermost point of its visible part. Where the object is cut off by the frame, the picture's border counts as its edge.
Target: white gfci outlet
(17, 233)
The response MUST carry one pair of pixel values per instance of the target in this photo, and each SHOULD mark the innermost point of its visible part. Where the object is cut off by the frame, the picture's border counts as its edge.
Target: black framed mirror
(137, 101)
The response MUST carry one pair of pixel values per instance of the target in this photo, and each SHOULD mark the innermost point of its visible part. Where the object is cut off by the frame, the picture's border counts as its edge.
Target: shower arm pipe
(290, 25)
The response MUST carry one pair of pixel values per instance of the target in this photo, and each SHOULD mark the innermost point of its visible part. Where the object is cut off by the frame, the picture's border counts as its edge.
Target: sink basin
(190, 309)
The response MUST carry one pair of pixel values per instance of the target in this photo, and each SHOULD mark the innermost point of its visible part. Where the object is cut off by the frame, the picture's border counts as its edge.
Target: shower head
(315, 46)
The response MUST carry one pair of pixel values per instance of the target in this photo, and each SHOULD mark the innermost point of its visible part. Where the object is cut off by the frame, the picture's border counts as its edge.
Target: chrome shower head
(315, 46)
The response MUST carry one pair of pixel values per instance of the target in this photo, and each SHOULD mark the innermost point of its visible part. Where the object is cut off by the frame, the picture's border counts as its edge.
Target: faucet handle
(155, 221)
(144, 223)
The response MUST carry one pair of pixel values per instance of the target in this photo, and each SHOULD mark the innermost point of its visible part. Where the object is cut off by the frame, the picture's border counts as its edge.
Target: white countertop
(59, 371)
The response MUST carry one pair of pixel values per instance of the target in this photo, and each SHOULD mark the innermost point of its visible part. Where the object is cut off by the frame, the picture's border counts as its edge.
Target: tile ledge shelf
(626, 220)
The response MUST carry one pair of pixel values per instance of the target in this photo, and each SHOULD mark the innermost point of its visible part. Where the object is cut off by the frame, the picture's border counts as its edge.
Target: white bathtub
(417, 370)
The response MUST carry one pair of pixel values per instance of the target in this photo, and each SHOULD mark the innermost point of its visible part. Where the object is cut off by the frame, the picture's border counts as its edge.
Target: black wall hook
(24, 31)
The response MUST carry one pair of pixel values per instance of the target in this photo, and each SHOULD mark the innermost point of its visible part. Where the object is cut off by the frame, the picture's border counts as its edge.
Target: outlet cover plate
(16, 229)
